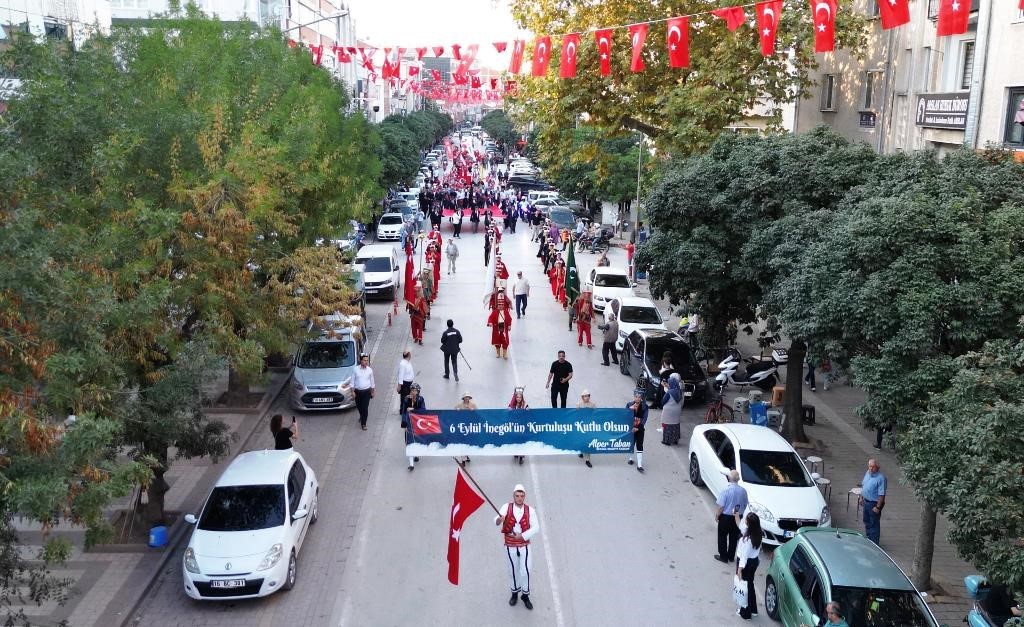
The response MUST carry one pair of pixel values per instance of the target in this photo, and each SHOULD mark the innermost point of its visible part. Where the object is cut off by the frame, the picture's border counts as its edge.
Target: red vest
(510, 522)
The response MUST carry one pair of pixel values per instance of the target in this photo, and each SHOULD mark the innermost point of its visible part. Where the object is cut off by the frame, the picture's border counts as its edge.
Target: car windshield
(865, 607)
(639, 315)
(774, 468)
(564, 218)
(376, 264)
(328, 355)
(392, 219)
(611, 280)
(243, 508)
(681, 359)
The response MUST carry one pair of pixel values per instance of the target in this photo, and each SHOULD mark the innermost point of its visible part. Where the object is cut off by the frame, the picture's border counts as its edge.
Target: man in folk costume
(417, 314)
(435, 235)
(500, 322)
(500, 271)
(433, 258)
(519, 523)
(560, 284)
(584, 308)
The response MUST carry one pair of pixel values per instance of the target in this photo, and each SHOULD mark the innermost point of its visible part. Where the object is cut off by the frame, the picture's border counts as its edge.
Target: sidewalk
(845, 446)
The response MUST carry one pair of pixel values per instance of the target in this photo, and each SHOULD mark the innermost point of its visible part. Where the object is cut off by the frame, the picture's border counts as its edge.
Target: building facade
(64, 20)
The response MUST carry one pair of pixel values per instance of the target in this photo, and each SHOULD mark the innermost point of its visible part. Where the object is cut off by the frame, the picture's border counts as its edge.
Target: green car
(820, 565)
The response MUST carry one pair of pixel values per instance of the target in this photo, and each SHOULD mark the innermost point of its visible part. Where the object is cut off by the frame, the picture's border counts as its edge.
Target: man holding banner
(518, 522)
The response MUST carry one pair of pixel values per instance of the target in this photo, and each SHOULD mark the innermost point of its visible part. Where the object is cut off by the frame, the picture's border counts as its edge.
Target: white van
(382, 276)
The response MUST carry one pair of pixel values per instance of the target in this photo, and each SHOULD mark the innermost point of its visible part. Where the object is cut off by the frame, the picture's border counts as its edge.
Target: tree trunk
(922, 571)
(793, 427)
(238, 389)
(157, 489)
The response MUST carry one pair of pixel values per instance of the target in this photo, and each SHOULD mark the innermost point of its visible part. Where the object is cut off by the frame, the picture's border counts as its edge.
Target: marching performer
(560, 283)
(500, 322)
(584, 308)
(518, 402)
(435, 235)
(433, 258)
(519, 522)
(417, 314)
(500, 271)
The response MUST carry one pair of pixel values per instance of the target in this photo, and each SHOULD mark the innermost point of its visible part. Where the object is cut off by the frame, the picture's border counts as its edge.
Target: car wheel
(289, 581)
(316, 505)
(695, 472)
(771, 599)
(624, 363)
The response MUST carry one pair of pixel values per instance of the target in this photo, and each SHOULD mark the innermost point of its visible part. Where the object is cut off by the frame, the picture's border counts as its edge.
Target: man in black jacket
(450, 340)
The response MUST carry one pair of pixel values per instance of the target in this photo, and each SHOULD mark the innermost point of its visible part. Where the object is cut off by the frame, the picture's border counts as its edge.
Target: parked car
(536, 195)
(635, 312)
(607, 283)
(779, 488)
(390, 226)
(411, 199)
(324, 363)
(641, 360)
(381, 276)
(248, 536)
(562, 218)
(993, 603)
(522, 181)
(819, 566)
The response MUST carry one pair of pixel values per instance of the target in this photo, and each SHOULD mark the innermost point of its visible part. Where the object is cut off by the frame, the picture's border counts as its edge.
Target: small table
(813, 461)
(856, 492)
(826, 488)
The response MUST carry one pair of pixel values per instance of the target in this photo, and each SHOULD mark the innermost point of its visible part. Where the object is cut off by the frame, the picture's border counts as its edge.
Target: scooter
(992, 606)
(759, 374)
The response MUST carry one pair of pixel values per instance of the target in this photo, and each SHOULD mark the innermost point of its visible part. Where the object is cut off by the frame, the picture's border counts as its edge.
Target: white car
(247, 539)
(390, 226)
(635, 312)
(607, 283)
(779, 489)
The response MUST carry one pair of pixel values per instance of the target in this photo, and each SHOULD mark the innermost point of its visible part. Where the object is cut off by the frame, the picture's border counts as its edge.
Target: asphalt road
(616, 547)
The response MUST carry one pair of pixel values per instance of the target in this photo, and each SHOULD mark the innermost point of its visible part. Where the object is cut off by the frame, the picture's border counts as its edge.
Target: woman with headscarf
(518, 402)
(412, 402)
(671, 409)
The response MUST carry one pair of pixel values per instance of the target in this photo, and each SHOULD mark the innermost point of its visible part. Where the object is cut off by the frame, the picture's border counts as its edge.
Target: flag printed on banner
(677, 38)
(953, 17)
(465, 501)
(541, 55)
(734, 17)
(825, 24)
(637, 35)
(893, 13)
(515, 64)
(768, 14)
(567, 65)
(603, 38)
(425, 424)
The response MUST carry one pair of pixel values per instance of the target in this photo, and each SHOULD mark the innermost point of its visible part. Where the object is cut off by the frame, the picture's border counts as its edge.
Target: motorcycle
(757, 373)
(993, 606)
(595, 244)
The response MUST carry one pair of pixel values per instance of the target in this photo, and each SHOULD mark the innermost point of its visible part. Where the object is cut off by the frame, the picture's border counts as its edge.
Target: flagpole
(475, 484)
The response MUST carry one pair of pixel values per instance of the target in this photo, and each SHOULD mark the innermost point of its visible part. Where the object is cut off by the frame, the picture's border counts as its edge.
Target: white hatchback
(779, 489)
(390, 226)
(247, 539)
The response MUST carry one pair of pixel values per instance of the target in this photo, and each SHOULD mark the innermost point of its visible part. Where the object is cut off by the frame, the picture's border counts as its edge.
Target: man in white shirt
(519, 522)
(405, 375)
(451, 251)
(362, 382)
(521, 288)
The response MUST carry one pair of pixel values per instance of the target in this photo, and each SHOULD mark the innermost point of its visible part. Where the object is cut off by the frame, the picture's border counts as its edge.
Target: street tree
(500, 128)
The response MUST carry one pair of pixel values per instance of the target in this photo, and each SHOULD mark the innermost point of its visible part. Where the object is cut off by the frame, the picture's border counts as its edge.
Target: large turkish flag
(465, 501)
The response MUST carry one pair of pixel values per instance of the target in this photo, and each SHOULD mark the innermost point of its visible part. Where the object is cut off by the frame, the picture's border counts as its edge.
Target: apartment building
(64, 20)
(911, 89)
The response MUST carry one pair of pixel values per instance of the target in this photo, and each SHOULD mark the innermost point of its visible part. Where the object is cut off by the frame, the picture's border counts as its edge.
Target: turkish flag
(768, 14)
(494, 83)
(465, 501)
(567, 66)
(419, 53)
(541, 55)
(516, 62)
(604, 50)
(343, 56)
(825, 25)
(292, 43)
(367, 58)
(637, 34)
(511, 88)
(425, 424)
(733, 16)
(435, 74)
(475, 82)
(438, 50)
(677, 39)
(953, 16)
(351, 49)
(895, 13)
(500, 45)
(456, 53)
(467, 57)
(318, 54)
(414, 70)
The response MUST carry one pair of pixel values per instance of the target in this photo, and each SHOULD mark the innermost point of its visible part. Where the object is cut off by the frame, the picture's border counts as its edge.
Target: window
(800, 567)
(873, 8)
(55, 30)
(871, 80)
(1014, 134)
(828, 92)
(296, 481)
(966, 64)
(727, 455)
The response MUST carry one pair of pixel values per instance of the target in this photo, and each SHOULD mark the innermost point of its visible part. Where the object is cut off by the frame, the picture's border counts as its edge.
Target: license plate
(687, 393)
(371, 291)
(789, 534)
(322, 399)
(227, 583)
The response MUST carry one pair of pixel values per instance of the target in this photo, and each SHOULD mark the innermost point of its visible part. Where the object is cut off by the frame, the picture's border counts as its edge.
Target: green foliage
(964, 457)
(402, 139)
(500, 128)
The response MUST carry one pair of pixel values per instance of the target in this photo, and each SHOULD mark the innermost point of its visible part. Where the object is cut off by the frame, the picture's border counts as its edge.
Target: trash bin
(759, 413)
(158, 536)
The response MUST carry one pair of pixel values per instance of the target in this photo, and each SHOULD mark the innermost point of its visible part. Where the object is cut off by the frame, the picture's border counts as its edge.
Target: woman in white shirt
(748, 556)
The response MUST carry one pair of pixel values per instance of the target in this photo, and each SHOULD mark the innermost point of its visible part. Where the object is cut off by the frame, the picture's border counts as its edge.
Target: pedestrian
(611, 335)
(671, 409)
(466, 404)
(639, 408)
(732, 501)
(559, 376)
(405, 374)
(451, 251)
(457, 223)
(362, 381)
(879, 435)
(418, 310)
(474, 217)
(518, 522)
(809, 376)
(873, 489)
(584, 308)
(283, 436)
(833, 617)
(450, 341)
(748, 556)
(411, 402)
(518, 402)
(585, 404)
(488, 244)
(521, 290)
(630, 251)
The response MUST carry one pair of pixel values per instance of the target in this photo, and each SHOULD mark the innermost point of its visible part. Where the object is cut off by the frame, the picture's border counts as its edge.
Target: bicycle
(719, 411)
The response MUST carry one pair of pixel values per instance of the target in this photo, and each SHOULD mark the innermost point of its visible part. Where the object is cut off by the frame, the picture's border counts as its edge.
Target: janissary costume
(500, 321)
(417, 314)
(584, 316)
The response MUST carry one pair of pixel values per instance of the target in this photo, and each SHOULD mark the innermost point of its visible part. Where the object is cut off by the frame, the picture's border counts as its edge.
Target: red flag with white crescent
(414, 70)
(456, 52)
(516, 62)
(465, 501)
(567, 66)
(318, 54)
(893, 13)
(435, 74)
(500, 45)
(438, 50)
(475, 82)
(768, 14)
(603, 38)
(677, 38)
(825, 25)
(494, 83)
(541, 55)
(467, 58)
(733, 16)
(637, 34)
(419, 53)
(954, 16)
(343, 55)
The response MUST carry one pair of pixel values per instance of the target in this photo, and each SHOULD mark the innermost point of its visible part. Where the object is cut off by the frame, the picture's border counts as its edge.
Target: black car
(527, 182)
(641, 359)
(562, 218)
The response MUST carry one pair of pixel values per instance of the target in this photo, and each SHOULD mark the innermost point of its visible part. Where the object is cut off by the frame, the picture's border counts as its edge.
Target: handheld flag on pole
(572, 277)
(465, 501)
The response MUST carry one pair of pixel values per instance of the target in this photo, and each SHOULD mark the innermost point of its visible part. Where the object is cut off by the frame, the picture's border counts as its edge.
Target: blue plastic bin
(759, 414)
(158, 536)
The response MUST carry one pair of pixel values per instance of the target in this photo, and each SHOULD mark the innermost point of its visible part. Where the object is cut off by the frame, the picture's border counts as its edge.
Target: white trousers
(517, 558)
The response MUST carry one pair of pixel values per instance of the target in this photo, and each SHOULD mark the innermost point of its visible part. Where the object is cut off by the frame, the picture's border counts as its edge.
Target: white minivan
(535, 195)
(382, 276)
